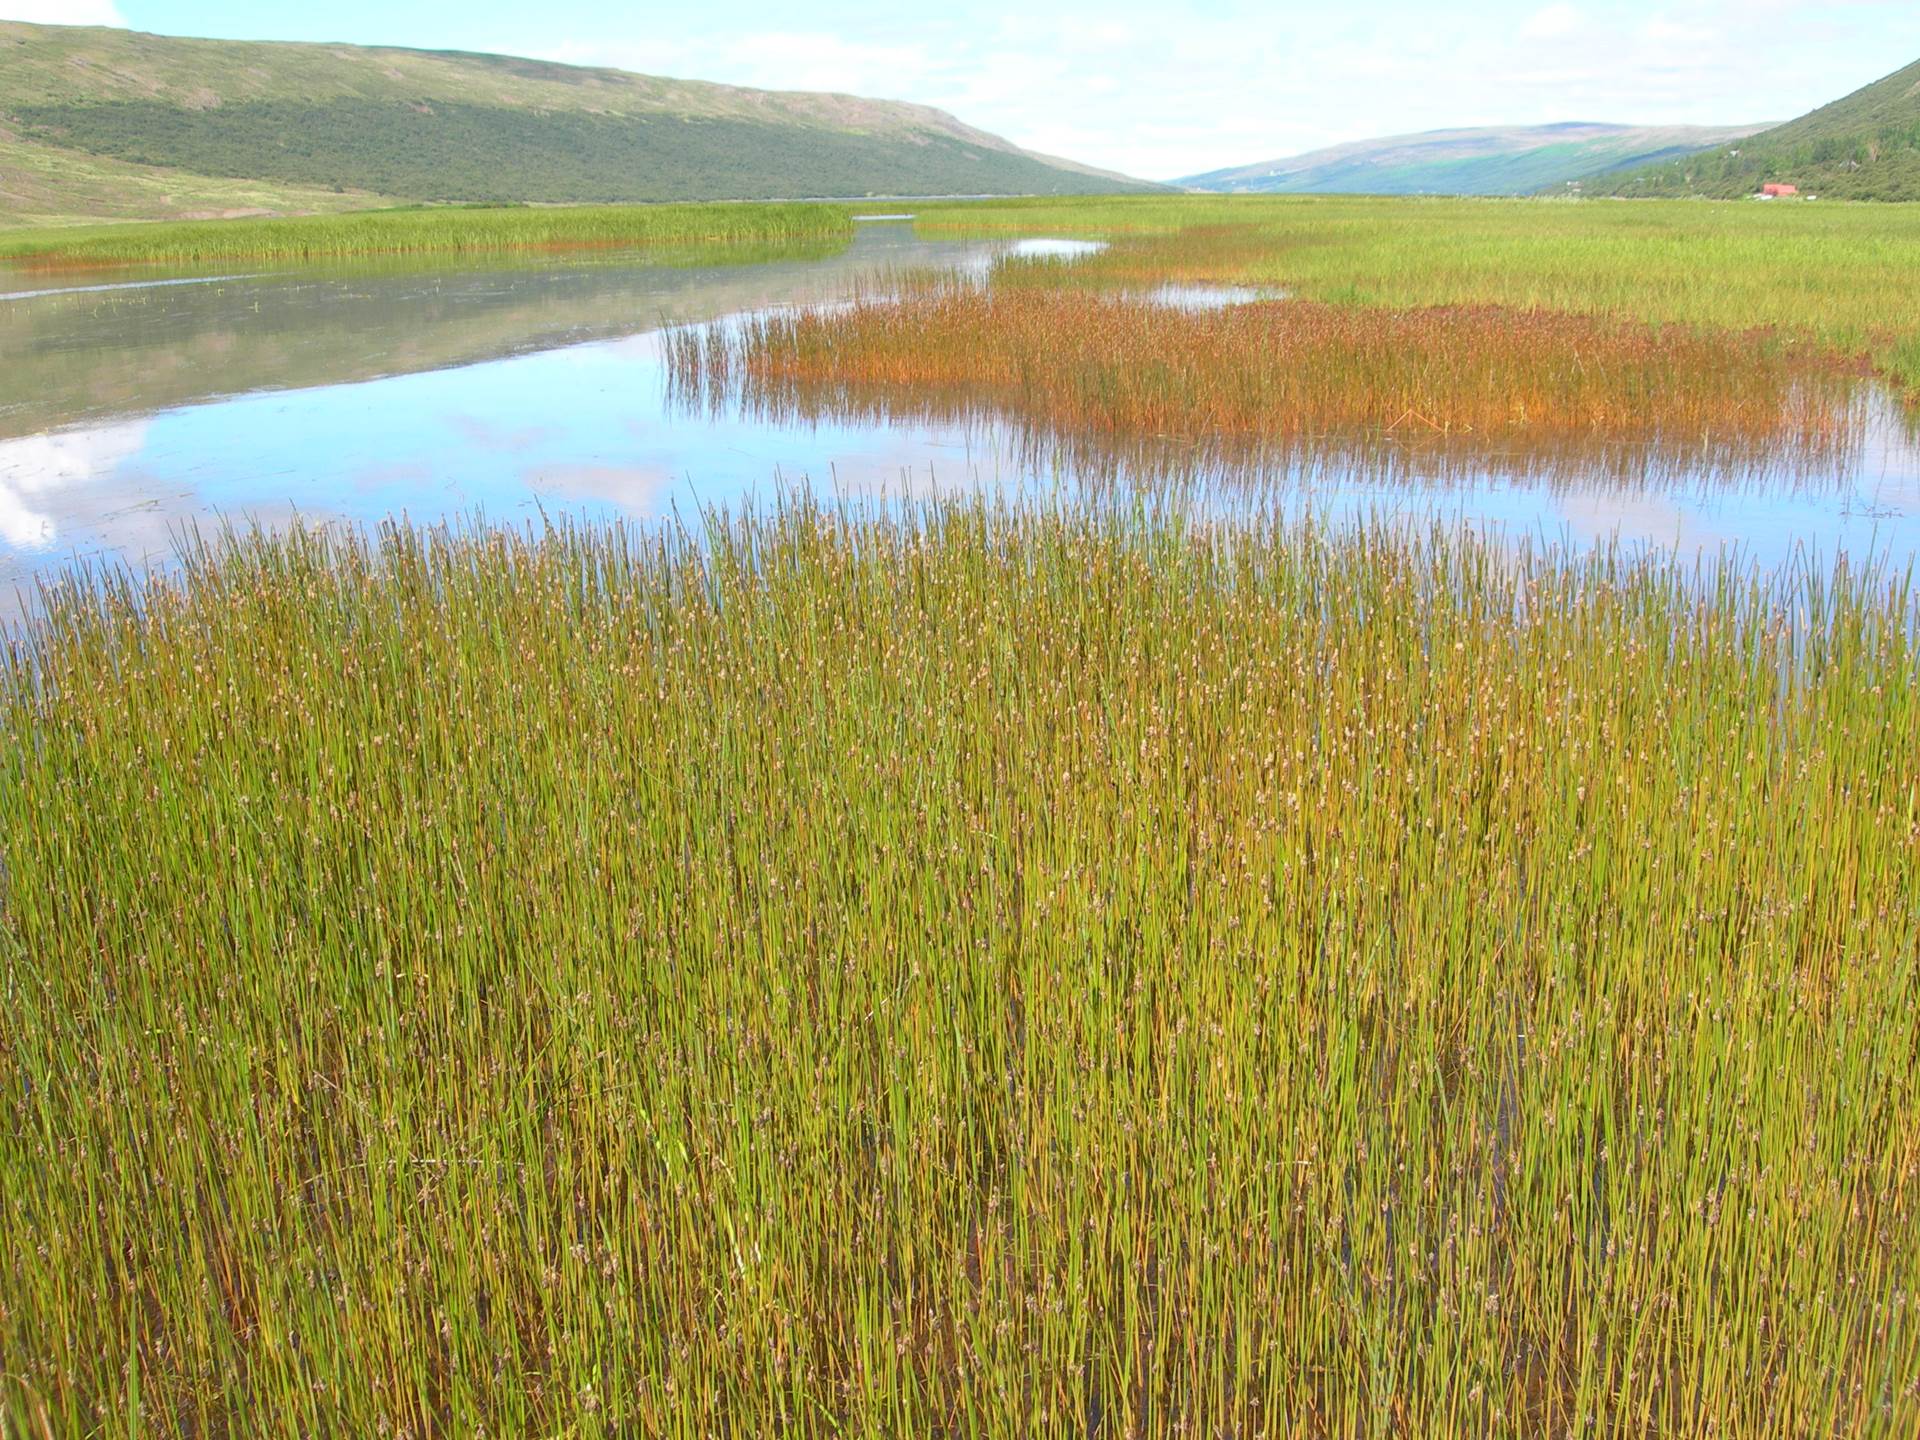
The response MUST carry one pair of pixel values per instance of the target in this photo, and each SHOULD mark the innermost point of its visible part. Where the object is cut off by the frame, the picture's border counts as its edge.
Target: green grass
(1839, 275)
(980, 973)
(430, 231)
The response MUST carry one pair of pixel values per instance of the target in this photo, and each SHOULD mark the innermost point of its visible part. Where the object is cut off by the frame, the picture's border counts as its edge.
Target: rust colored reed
(1081, 362)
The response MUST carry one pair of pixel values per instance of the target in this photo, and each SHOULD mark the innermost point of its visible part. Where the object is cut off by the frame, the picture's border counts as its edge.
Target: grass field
(1837, 275)
(982, 973)
(1067, 967)
(427, 231)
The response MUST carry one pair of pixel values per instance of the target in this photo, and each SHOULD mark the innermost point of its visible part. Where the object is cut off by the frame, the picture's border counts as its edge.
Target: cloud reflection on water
(589, 429)
(44, 477)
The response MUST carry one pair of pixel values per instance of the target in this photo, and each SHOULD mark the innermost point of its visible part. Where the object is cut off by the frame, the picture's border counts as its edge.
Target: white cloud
(63, 12)
(772, 60)
(1126, 84)
(1553, 22)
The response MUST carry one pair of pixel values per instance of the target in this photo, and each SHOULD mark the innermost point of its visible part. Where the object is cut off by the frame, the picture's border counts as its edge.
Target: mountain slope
(1515, 160)
(1863, 147)
(449, 126)
(44, 184)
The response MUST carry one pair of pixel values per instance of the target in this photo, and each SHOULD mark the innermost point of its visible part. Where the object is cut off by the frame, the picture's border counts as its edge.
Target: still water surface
(132, 408)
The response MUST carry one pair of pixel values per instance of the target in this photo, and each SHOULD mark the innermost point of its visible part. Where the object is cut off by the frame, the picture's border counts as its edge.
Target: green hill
(1505, 160)
(1865, 147)
(105, 122)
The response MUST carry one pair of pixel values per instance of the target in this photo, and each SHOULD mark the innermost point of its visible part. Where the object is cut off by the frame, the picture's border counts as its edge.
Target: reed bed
(959, 972)
(1221, 474)
(1081, 363)
(431, 231)
(1834, 275)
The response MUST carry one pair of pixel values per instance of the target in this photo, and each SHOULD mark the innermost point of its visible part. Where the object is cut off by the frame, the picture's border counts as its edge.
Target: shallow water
(50, 287)
(508, 389)
(1208, 297)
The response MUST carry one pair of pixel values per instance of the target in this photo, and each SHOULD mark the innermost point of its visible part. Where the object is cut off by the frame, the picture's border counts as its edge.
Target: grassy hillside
(1864, 147)
(456, 152)
(1510, 160)
(302, 123)
(44, 184)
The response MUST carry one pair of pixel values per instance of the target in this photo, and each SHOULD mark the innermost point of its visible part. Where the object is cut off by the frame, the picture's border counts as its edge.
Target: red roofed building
(1779, 192)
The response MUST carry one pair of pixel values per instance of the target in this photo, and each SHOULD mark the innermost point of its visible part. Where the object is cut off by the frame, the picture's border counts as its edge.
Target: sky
(1153, 88)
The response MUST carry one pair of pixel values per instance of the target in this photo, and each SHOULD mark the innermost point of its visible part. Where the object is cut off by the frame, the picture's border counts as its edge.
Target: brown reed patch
(1082, 363)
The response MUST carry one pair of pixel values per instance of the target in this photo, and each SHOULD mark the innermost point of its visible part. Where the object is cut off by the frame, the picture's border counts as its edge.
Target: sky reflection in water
(505, 393)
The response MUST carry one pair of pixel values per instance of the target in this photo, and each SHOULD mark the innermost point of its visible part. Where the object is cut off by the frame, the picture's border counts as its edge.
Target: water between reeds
(521, 388)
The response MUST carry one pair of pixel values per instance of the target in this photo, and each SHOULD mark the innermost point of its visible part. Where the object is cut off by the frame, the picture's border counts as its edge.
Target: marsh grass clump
(1074, 362)
(1836, 276)
(430, 231)
(969, 972)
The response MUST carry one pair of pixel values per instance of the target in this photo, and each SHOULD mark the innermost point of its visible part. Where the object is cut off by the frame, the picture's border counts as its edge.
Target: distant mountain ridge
(91, 114)
(1499, 160)
(1864, 146)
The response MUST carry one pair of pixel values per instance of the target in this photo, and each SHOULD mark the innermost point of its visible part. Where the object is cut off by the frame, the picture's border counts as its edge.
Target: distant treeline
(1864, 146)
(1881, 167)
(439, 151)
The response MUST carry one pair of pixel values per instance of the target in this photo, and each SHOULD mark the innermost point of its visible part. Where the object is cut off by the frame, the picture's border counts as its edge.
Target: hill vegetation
(45, 185)
(1506, 160)
(457, 152)
(369, 126)
(1864, 147)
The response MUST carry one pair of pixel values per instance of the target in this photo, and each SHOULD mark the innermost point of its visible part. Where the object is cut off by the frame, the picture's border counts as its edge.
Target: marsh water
(136, 405)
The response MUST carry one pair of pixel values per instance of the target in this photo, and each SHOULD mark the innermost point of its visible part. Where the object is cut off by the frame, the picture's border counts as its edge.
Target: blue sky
(1161, 89)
